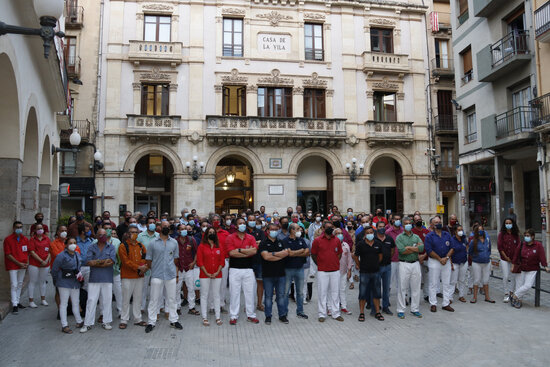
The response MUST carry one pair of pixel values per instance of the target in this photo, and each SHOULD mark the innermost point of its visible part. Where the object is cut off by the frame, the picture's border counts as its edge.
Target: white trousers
(145, 291)
(312, 271)
(245, 281)
(64, 295)
(85, 270)
(508, 278)
(117, 291)
(327, 293)
(37, 278)
(155, 298)
(210, 289)
(16, 284)
(223, 284)
(470, 277)
(342, 290)
(425, 278)
(131, 287)
(524, 282)
(458, 279)
(394, 282)
(106, 291)
(481, 273)
(410, 279)
(189, 278)
(436, 273)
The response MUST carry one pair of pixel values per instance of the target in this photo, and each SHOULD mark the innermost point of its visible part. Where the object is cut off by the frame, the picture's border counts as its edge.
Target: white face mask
(460, 233)
(72, 247)
(318, 219)
(204, 229)
(63, 234)
(298, 234)
(228, 223)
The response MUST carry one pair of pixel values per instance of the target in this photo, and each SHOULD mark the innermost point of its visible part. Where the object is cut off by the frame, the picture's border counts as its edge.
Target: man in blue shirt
(100, 257)
(439, 250)
(84, 241)
(294, 271)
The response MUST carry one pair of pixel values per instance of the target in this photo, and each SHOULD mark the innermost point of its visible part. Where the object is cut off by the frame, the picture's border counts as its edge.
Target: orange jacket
(132, 259)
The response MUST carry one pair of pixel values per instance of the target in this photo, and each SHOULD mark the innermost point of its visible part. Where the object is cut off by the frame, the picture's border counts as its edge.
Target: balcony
(275, 131)
(447, 168)
(385, 63)
(443, 67)
(153, 128)
(504, 56)
(542, 23)
(84, 128)
(73, 66)
(484, 8)
(74, 17)
(389, 132)
(444, 22)
(515, 125)
(445, 124)
(541, 118)
(150, 51)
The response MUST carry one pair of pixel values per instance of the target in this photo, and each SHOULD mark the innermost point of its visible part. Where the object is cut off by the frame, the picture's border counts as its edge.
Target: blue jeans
(278, 284)
(385, 275)
(296, 275)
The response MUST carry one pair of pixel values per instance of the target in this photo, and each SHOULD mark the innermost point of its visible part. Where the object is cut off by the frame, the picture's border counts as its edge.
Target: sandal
(462, 299)
(122, 326)
(66, 330)
(378, 316)
(205, 323)
(351, 286)
(193, 312)
(473, 300)
(219, 322)
(141, 323)
(260, 308)
(361, 317)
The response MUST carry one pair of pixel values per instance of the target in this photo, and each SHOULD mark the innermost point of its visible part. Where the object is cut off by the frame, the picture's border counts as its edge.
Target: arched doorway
(153, 184)
(234, 185)
(30, 177)
(315, 184)
(386, 185)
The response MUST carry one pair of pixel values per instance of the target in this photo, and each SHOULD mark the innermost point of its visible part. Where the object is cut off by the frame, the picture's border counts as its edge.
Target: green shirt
(145, 239)
(404, 240)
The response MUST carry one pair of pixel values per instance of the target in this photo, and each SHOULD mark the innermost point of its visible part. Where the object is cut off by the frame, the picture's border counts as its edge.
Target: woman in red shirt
(210, 259)
(39, 264)
(508, 241)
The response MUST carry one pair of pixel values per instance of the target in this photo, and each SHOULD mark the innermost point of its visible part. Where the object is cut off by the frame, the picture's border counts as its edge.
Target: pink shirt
(346, 262)
(393, 233)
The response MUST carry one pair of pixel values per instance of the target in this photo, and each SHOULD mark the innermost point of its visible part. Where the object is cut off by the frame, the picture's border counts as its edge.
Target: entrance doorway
(234, 185)
(386, 186)
(315, 185)
(153, 184)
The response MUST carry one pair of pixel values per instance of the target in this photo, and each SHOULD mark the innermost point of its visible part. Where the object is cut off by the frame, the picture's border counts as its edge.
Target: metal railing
(74, 15)
(541, 107)
(542, 19)
(73, 65)
(442, 64)
(514, 121)
(470, 138)
(468, 77)
(463, 17)
(448, 168)
(445, 123)
(514, 43)
(83, 127)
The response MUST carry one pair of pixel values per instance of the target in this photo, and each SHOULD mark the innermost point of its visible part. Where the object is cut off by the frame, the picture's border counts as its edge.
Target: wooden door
(399, 188)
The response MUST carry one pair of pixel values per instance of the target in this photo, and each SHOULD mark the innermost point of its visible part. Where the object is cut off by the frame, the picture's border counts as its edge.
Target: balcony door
(521, 110)
(70, 53)
(445, 109)
(442, 53)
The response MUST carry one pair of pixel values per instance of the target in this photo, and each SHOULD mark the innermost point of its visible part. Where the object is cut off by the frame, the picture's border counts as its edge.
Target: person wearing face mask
(187, 247)
(326, 251)
(439, 250)
(394, 230)
(507, 242)
(283, 232)
(528, 258)
(367, 256)
(222, 235)
(453, 222)
(459, 263)
(421, 231)
(298, 252)
(201, 231)
(365, 223)
(480, 250)
(39, 219)
(16, 259)
(73, 229)
(346, 263)
(145, 238)
(263, 214)
(289, 211)
(241, 248)
(227, 225)
(117, 282)
(387, 244)
(350, 215)
(379, 216)
(162, 258)
(123, 227)
(39, 264)
(210, 260)
(66, 278)
(275, 217)
(314, 226)
(142, 224)
(106, 215)
(259, 236)
(100, 257)
(350, 229)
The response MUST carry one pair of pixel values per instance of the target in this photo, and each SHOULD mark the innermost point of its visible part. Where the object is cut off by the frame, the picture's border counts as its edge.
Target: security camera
(457, 106)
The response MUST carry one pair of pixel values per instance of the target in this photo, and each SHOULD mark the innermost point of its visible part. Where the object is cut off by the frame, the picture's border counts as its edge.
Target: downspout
(98, 89)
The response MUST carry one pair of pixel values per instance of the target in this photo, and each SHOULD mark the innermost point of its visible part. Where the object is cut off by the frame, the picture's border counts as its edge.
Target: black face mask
(378, 214)
(39, 220)
(212, 237)
(127, 219)
(79, 217)
(143, 221)
(350, 227)
(284, 225)
(419, 223)
(289, 213)
(329, 231)
(336, 224)
(165, 231)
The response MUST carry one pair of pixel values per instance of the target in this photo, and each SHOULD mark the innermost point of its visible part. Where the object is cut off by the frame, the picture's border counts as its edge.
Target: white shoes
(32, 305)
(44, 303)
(506, 298)
(85, 329)
(107, 326)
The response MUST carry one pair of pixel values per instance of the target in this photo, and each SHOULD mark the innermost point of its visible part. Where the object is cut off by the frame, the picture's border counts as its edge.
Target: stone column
(400, 106)
(370, 105)
(251, 100)
(199, 194)
(172, 99)
(275, 201)
(44, 203)
(518, 194)
(219, 99)
(298, 101)
(499, 197)
(137, 98)
(29, 200)
(329, 96)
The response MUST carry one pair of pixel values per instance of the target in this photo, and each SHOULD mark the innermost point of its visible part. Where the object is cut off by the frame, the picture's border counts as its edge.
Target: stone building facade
(268, 102)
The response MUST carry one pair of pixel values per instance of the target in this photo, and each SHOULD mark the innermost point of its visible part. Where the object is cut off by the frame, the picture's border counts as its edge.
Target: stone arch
(144, 150)
(55, 172)
(31, 154)
(10, 139)
(399, 157)
(241, 152)
(46, 163)
(328, 155)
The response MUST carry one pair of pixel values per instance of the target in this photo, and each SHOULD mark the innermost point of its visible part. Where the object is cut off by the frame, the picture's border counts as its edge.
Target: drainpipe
(98, 89)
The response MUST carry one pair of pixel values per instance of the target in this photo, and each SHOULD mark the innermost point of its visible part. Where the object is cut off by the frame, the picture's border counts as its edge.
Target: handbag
(70, 273)
(516, 268)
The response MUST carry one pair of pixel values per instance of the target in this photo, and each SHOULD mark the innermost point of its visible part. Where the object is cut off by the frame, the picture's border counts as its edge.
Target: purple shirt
(393, 233)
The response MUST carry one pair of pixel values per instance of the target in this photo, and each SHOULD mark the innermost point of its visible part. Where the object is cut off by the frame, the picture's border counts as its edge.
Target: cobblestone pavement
(479, 334)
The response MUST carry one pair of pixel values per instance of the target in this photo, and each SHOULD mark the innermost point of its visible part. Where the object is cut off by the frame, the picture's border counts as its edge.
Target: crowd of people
(156, 265)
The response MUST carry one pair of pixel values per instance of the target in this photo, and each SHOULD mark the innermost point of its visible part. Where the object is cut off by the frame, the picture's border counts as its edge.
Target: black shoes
(20, 306)
(149, 328)
(268, 320)
(176, 325)
(387, 311)
(15, 311)
(283, 319)
(302, 316)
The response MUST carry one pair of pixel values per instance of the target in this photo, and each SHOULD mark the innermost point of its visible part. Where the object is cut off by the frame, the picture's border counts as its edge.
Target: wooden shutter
(467, 60)
(463, 6)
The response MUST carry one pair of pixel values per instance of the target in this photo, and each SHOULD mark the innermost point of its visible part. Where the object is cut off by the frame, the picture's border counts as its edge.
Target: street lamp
(49, 11)
(230, 177)
(196, 170)
(352, 169)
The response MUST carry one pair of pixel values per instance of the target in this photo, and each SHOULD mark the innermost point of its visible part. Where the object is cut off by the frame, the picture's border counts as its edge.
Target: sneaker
(401, 315)
(32, 305)
(302, 316)
(321, 319)
(506, 298)
(283, 319)
(44, 303)
(345, 310)
(15, 310)
(305, 302)
(339, 318)
(253, 320)
(85, 329)
(20, 306)
(149, 328)
(176, 325)
(107, 326)
(417, 314)
(387, 311)
(268, 320)
(233, 322)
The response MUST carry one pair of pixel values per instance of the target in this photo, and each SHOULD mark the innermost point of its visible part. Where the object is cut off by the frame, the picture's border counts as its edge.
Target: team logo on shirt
(24, 248)
(217, 252)
(46, 248)
(280, 245)
(336, 249)
(534, 251)
(447, 243)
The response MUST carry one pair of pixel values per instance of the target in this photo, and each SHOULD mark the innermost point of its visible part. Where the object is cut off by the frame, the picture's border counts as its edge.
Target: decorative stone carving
(274, 17)
(251, 89)
(233, 11)
(297, 90)
(330, 92)
(401, 96)
(234, 77)
(136, 86)
(314, 81)
(159, 7)
(155, 74)
(385, 84)
(139, 16)
(352, 140)
(195, 138)
(314, 16)
(382, 21)
(173, 87)
(275, 79)
(218, 88)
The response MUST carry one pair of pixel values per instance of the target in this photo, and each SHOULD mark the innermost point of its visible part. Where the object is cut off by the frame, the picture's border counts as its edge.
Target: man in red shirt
(16, 260)
(326, 251)
(379, 216)
(241, 248)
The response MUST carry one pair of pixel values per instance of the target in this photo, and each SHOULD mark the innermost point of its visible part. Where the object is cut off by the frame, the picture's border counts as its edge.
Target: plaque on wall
(276, 189)
(274, 43)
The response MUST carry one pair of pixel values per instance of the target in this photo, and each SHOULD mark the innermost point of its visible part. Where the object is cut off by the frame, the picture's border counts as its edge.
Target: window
(467, 65)
(275, 102)
(470, 134)
(70, 51)
(462, 11)
(442, 54)
(234, 100)
(68, 163)
(154, 99)
(384, 106)
(314, 42)
(156, 166)
(314, 103)
(232, 37)
(157, 28)
(381, 40)
(448, 162)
